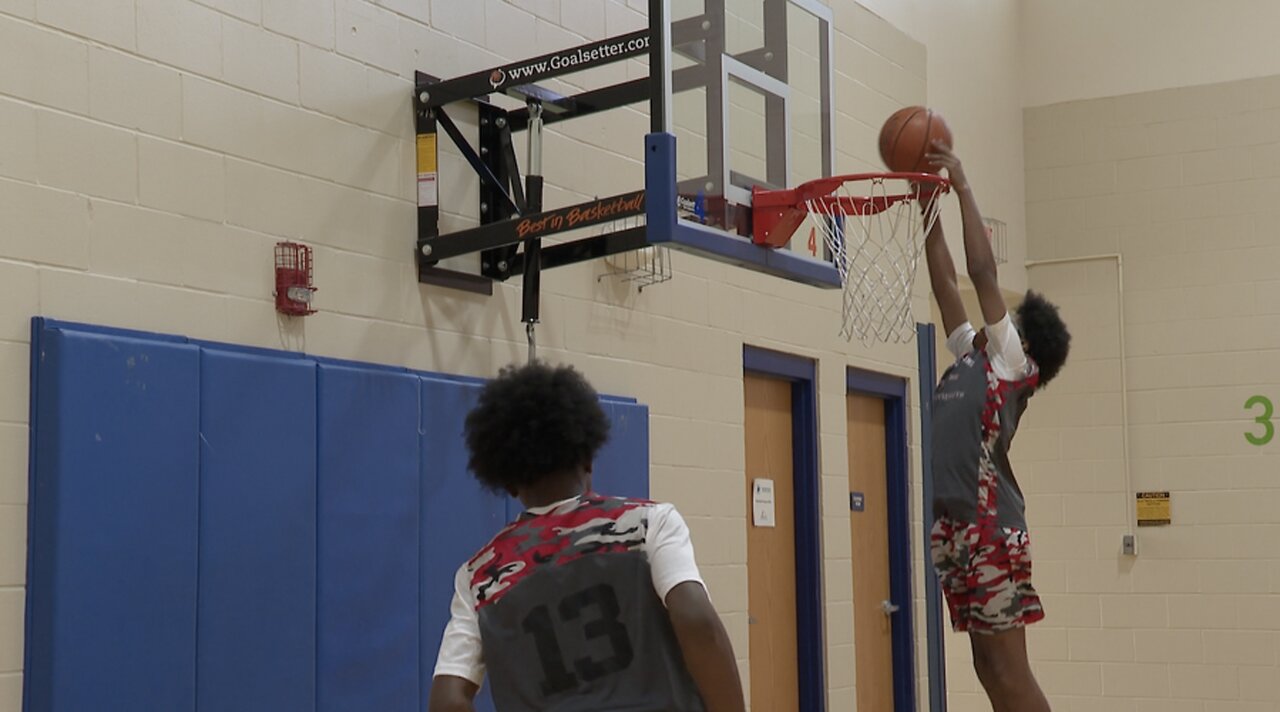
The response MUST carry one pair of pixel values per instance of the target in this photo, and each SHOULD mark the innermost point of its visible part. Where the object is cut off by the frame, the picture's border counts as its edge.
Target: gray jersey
(569, 619)
(975, 416)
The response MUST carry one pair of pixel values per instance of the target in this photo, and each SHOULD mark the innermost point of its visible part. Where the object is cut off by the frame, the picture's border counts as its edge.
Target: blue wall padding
(223, 529)
(457, 516)
(622, 466)
(113, 507)
(369, 515)
(257, 632)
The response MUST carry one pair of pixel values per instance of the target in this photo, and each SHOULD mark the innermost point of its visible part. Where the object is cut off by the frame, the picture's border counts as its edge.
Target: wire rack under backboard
(644, 267)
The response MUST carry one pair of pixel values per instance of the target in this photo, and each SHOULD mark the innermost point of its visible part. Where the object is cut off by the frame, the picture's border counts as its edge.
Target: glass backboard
(748, 89)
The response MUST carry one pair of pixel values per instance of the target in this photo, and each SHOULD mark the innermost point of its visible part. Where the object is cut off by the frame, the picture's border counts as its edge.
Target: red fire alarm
(293, 279)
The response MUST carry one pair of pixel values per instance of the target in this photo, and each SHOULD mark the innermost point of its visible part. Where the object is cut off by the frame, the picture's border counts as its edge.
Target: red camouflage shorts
(985, 573)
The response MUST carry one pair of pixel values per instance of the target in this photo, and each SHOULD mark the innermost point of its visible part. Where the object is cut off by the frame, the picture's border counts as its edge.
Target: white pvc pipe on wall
(1124, 371)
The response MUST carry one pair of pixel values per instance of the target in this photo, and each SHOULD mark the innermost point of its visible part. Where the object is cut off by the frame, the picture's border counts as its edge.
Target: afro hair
(1048, 341)
(531, 423)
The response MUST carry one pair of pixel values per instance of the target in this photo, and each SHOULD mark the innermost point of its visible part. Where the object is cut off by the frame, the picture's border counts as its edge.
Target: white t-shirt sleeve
(960, 341)
(670, 550)
(460, 649)
(1004, 348)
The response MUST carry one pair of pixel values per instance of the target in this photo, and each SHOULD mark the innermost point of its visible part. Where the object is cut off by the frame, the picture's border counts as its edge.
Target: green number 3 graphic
(1268, 428)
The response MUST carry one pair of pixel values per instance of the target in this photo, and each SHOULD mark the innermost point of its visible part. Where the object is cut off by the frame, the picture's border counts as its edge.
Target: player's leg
(1003, 603)
(1000, 659)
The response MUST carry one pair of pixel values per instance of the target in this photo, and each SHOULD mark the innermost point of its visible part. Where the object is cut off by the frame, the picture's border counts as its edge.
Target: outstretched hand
(941, 155)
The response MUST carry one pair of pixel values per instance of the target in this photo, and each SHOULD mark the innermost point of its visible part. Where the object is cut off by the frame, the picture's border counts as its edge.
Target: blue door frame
(802, 373)
(926, 341)
(893, 391)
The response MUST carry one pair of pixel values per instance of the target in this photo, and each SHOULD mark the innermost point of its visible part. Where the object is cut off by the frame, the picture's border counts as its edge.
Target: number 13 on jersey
(602, 602)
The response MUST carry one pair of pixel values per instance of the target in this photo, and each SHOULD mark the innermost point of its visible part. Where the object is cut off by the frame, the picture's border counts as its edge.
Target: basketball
(905, 139)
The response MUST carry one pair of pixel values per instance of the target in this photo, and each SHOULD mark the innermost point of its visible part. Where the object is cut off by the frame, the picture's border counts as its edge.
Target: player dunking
(584, 602)
(979, 540)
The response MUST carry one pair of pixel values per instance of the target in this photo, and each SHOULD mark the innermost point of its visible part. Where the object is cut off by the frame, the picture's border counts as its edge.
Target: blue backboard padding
(369, 513)
(113, 507)
(257, 634)
(217, 528)
(458, 517)
(622, 465)
(665, 228)
(741, 252)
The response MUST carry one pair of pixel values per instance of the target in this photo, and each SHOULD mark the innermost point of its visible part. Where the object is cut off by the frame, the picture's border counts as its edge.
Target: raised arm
(979, 259)
(942, 276)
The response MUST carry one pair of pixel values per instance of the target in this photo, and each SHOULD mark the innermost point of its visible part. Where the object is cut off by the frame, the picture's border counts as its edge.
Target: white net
(875, 230)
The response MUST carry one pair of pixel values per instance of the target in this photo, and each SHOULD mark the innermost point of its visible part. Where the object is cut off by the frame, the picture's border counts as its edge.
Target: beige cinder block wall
(153, 151)
(1183, 184)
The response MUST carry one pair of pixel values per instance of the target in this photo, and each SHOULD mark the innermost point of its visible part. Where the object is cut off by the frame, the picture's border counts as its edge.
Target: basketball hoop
(874, 225)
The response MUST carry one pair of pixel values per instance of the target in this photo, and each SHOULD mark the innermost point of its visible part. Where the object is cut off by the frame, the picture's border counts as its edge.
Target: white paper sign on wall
(762, 503)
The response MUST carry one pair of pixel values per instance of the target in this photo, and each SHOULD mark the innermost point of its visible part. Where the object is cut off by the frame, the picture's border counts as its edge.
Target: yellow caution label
(426, 153)
(1154, 509)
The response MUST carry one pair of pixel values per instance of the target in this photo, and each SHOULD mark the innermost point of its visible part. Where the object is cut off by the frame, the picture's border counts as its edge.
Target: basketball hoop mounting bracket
(701, 58)
(505, 217)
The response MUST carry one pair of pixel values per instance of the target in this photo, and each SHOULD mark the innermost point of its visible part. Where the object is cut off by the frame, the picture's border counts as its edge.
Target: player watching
(584, 602)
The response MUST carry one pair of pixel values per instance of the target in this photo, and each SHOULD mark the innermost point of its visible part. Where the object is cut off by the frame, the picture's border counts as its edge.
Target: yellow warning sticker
(426, 153)
(1154, 509)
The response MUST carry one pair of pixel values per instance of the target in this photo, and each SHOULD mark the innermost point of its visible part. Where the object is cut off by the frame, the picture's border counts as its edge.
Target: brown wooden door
(771, 551)
(869, 528)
